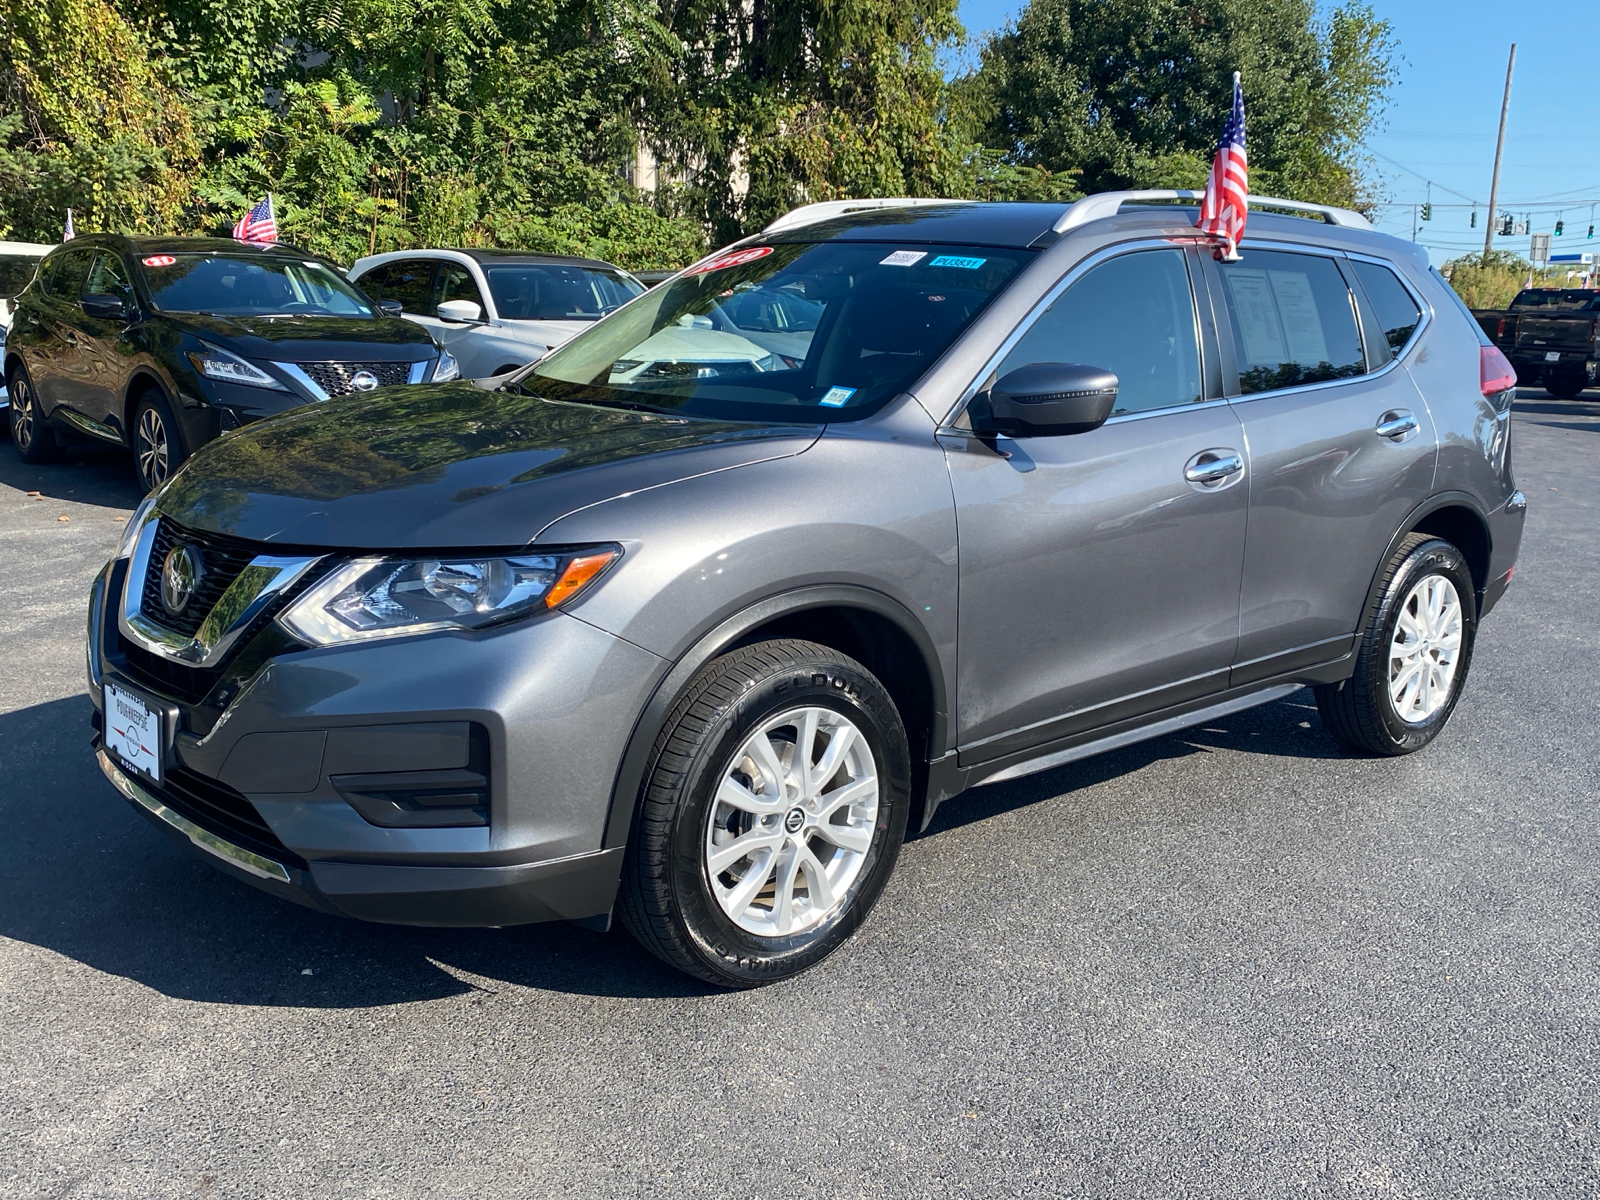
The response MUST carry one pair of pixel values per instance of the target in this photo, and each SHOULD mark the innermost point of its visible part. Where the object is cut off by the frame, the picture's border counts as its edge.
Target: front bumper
(274, 764)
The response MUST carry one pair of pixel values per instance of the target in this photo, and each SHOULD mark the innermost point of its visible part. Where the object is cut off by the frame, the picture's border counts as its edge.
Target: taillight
(1594, 328)
(1500, 329)
(1495, 372)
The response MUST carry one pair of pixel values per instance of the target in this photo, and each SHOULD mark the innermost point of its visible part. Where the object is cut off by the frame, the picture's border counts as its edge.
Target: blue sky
(1442, 116)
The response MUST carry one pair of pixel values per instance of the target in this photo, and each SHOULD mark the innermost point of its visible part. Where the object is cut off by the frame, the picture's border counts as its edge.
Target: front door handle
(1397, 424)
(1213, 466)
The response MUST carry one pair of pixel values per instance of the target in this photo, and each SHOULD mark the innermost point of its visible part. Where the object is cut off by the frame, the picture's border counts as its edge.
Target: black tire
(1564, 385)
(667, 899)
(1361, 712)
(157, 440)
(32, 435)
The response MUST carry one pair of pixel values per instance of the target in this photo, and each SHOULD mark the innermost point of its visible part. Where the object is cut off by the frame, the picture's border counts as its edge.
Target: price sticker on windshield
(904, 258)
(159, 260)
(737, 259)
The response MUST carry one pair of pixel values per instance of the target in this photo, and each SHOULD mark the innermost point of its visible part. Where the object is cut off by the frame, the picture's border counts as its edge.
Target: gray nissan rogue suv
(692, 619)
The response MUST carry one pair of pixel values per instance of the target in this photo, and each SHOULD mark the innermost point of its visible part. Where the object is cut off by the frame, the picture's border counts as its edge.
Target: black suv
(162, 344)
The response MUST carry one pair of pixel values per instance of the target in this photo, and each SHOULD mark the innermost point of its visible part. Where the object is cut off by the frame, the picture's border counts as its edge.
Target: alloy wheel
(791, 823)
(21, 414)
(152, 449)
(1426, 649)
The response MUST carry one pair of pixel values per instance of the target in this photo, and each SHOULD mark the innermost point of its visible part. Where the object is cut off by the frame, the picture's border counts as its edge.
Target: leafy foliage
(1133, 93)
(1488, 280)
(383, 124)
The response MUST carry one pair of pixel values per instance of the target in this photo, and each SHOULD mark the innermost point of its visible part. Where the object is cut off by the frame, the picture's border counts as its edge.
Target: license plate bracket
(134, 731)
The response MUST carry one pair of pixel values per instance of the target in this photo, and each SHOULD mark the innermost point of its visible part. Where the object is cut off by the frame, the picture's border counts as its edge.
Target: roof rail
(1108, 204)
(826, 210)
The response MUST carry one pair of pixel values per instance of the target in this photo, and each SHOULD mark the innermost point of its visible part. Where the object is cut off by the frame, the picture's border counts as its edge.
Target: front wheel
(158, 448)
(772, 815)
(1413, 655)
(30, 432)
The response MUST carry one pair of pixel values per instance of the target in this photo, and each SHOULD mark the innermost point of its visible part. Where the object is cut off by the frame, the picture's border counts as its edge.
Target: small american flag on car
(1227, 200)
(258, 226)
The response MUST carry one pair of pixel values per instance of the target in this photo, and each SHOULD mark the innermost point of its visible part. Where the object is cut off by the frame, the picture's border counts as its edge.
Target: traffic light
(1427, 212)
(1560, 225)
(1591, 231)
(1474, 224)
(1507, 224)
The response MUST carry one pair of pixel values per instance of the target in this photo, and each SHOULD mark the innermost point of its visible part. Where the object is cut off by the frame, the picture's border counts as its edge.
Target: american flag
(257, 226)
(1223, 211)
(68, 232)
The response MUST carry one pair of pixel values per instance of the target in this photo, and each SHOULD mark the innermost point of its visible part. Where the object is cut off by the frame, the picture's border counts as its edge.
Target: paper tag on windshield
(904, 258)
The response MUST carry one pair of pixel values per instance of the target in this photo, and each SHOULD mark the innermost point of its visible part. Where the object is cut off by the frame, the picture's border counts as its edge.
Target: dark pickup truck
(1551, 336)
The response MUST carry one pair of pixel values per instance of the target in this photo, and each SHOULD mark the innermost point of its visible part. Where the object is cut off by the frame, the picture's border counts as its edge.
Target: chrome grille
(334, 377)
(224, 558)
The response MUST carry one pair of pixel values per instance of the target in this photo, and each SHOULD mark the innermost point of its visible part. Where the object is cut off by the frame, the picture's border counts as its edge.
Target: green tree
(1134, 93)
(1487, 280)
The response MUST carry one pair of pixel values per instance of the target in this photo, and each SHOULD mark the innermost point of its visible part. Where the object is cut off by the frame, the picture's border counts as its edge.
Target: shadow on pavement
(86, 475)
(1289, 728)
(86, 876)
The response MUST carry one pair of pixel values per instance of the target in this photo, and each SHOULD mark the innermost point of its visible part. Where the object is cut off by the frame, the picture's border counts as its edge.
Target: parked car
(698, 648)
(18, 262)
(496, 310)
(1551, 336)
(162, 344)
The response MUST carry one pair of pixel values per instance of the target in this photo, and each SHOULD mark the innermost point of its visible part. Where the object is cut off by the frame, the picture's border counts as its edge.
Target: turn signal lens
(580, 572)
(1495, 372)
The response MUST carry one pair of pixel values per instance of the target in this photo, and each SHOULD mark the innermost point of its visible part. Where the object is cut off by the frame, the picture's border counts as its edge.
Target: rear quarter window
(1397, 312)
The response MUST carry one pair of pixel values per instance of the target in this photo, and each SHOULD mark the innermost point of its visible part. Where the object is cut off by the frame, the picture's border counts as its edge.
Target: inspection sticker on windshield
(904, 258)
(836, 397)
(737, 259)
(957, 260)
(133, 731)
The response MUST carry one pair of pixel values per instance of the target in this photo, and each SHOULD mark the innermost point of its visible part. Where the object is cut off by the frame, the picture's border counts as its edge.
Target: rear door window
(1398, 314)
(1293, 319)
(1133, 316)
(68, 272)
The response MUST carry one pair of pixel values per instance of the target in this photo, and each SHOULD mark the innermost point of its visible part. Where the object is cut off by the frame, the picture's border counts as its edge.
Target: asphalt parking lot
(1233, 962)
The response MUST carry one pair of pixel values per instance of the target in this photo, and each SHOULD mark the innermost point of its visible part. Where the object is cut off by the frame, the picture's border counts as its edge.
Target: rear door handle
(1396, 425)
(1213, 466)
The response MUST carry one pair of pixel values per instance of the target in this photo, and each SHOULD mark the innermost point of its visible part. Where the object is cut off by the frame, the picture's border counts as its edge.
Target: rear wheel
(30, 432)
(1564, 385)
(1412, 659)
(772, 815)
(158, 448)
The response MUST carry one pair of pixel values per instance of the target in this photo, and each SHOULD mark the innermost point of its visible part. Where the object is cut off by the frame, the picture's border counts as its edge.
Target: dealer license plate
(1552, 356)
(133, 731)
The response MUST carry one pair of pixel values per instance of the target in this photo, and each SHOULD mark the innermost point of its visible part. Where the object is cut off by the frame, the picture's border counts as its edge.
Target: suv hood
(449, 466)
(311, 339)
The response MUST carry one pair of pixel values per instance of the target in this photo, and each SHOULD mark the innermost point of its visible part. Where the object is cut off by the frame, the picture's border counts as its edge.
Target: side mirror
(103, 307)
(391, 308)
(459, 310)
(1050, 399)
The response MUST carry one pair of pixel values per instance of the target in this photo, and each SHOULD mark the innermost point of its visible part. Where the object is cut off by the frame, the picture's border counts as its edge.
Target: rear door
(56, 360)
(1341, 449)
(1097, 581)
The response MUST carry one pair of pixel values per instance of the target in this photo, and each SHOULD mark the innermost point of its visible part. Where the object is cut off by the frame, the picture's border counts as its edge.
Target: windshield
(556, 291)
(250, 287)
(16, 273)
(834, 329)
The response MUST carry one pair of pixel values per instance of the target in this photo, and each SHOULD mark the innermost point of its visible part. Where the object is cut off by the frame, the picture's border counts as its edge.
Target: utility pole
(1499, 148)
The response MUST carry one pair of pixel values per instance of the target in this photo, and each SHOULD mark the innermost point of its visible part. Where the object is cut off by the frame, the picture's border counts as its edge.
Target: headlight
(385, 597)
(130, 534)
(216, 363)
(446, 368)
